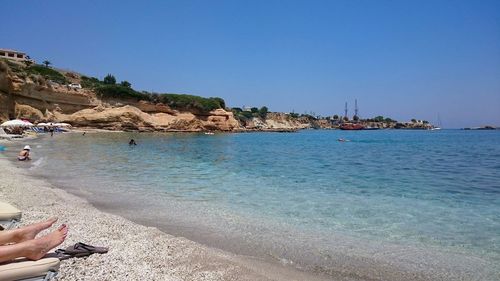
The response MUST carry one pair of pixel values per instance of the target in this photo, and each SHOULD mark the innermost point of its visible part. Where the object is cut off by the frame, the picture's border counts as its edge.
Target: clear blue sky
(401, 59)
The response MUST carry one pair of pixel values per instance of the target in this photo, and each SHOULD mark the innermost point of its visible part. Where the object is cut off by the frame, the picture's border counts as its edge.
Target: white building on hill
(14, 55)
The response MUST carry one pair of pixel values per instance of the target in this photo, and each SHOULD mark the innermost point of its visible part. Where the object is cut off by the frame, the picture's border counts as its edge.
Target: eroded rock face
(154, 108)
(276, 121)
(6, 101)
(220, 119)
(35, 99)
(131, 118)
(23, 111)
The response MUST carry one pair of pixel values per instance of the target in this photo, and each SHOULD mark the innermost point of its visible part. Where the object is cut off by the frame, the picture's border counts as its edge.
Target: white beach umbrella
(16, 123)
(28, 123)
(61, 125)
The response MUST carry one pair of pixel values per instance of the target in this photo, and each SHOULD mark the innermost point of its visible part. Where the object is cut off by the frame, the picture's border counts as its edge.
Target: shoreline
(137, 252)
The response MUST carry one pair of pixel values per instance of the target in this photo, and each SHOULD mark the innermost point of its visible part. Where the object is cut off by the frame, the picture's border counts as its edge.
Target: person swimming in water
(24, 154)
(132, 142)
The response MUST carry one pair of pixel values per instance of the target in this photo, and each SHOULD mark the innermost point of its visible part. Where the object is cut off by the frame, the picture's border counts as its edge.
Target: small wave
(37, 163)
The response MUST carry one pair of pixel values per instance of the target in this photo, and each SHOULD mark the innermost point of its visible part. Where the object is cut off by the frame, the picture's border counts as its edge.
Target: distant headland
(41, 93)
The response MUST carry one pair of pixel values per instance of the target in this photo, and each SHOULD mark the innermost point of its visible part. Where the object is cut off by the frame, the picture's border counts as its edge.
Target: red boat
(350, 126)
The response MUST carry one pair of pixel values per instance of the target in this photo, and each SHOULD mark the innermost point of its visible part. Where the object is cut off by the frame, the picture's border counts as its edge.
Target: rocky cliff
(32, 93)
(35, 98)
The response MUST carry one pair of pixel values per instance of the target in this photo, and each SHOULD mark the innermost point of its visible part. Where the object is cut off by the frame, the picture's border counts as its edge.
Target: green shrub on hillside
(119, 91)
(176, 101)
(254, 112)
(126, 84)
(89, 82)
(242, 116)
(47, 73)
(247, 114)
(221, 102)
(191, 102)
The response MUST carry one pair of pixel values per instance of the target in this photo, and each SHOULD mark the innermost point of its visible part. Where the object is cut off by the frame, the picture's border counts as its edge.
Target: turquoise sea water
(301, 197)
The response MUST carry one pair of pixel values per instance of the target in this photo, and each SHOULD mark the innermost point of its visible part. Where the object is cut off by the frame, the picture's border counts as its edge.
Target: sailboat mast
(356, 107)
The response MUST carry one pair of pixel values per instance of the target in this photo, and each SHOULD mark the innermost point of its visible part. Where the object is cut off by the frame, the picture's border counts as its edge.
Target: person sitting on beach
(132, 142)
(22, 242)
(24, 154)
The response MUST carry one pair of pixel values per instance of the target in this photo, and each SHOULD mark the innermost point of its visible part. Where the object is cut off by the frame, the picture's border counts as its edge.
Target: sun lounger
(26, 270)
(4, 135)
(9, 216)
(40, 130)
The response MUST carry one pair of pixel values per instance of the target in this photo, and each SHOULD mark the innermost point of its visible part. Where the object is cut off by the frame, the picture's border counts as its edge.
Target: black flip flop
(80, 250)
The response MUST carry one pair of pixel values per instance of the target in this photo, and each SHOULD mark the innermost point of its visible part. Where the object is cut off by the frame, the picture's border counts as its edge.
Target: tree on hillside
(263, 112)
(28, 63)
(47, 63)
(378, 119)
(126, 84)
(355, 118)
(221, 102)
(346, 118)
(109, 79)
(414, 120)
(335, 117)
(254, 110)
(246, 114)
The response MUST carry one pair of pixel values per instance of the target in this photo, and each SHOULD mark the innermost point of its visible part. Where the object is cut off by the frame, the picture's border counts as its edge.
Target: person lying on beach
(24, 154)
(21, 242)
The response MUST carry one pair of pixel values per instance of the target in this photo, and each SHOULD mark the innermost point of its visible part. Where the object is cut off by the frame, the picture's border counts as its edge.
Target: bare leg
(24, 233)
(36, 248)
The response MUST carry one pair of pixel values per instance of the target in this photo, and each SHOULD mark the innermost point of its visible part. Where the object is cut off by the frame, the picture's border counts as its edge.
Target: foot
(40, 246)
(31, 231)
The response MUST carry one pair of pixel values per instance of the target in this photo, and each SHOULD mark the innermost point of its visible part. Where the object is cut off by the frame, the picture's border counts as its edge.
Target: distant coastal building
(14, 55)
